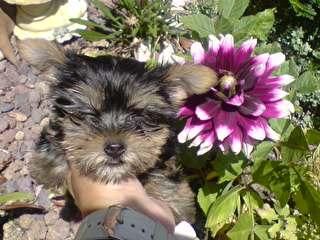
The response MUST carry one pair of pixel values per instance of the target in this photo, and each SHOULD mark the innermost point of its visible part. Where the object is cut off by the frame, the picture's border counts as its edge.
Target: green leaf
(261, 232)
(313, 136)
(274, 230)
(85, 22)
(267, 213)
(296, 146)
(252, 200)
(258, 25)
(229, 166)
(207, 195)
(16, 197)
(306, 83)
(222, 209)
(223, 26)
(199, 23)
(261, 153)
(233, 8)
(282, 126)
(105, 10)
(274, 176)
(94, 36)
(302, 9)
(307, 199)
(268, 48)
(243, 228)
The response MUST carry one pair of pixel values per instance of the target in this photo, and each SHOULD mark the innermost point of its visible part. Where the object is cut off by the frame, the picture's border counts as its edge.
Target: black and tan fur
(102, 100)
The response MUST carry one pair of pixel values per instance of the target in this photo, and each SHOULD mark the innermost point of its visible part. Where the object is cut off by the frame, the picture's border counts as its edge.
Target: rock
(6, 107)
(4, 124)
(34, 98)
(2, 66)
(8, 136)
(9, 96)
(59, 231)
(36, 115)
(20, 117)
(19, 136)
(5, 158)
(23, 79)
(43, 199)
(45, 122)
(21, 99)
(5, 82)
(12, 230)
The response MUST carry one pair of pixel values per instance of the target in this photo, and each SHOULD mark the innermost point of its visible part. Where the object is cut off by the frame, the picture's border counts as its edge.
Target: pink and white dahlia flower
(234, 113)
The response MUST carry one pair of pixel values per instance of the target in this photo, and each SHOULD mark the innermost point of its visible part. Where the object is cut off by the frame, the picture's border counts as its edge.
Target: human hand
(91, 196)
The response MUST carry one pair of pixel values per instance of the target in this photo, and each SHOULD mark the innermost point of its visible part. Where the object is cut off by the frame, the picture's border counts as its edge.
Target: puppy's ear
(188, 79)
(42, 54)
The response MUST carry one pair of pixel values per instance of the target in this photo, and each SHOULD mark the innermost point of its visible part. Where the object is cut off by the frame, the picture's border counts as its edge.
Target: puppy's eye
(63, 101)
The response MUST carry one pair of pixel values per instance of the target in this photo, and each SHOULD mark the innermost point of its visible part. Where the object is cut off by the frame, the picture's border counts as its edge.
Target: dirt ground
(23, 113)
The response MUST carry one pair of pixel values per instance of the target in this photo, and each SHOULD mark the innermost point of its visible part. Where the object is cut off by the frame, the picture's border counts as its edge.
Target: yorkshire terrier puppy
(113, 118)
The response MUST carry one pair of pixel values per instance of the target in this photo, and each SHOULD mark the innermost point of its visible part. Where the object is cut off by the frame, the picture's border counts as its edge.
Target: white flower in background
(143, 51)
(167, 55)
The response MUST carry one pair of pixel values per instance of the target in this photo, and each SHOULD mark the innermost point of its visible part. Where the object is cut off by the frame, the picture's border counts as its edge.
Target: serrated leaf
(243, 228)
(258, 25)
(307, 199)
(313, 136)
(268, 48)
(306, 83)
(199, 23)
(261, 232)
(229, 166)
(282, 126)
(252, 200)
(274, 176)
(207, 195)
(261, 153)
(233, 8)
(302, 9)
(296, 146)
(222, 209)
(223, 26)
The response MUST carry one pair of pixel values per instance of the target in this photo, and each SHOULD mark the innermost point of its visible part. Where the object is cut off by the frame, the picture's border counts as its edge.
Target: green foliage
(16, 197)
(147, 20)
(304, 9)
(229, 19)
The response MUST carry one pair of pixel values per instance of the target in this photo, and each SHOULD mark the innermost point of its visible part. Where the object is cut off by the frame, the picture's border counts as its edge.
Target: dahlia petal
(235, 140)
(260, 59)
(279, 109)
(197, 52)
(274, 61)
(197, 141)
(268, 95)
(224, 124)
(278, 81)
(252, 106)
(185, 111)
(271, 134)
(196, 127)
(247, 146)
(204, 149)
(244, 52)
(225, 54)
(207, 110)
(253, 128)
(236, 100)
(253, 75)
(213, 44)
(183, 135)
(224, 147)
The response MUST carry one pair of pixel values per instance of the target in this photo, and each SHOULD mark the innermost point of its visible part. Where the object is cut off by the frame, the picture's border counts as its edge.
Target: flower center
(227, 86)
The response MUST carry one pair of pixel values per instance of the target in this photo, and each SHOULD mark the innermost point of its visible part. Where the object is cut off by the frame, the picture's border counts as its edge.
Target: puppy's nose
(114, 149)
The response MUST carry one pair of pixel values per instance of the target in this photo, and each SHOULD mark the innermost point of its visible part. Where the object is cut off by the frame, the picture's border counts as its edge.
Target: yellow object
(48, 19)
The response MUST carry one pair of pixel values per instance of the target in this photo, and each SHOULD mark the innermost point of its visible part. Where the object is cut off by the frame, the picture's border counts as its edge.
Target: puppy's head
(115, 116)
